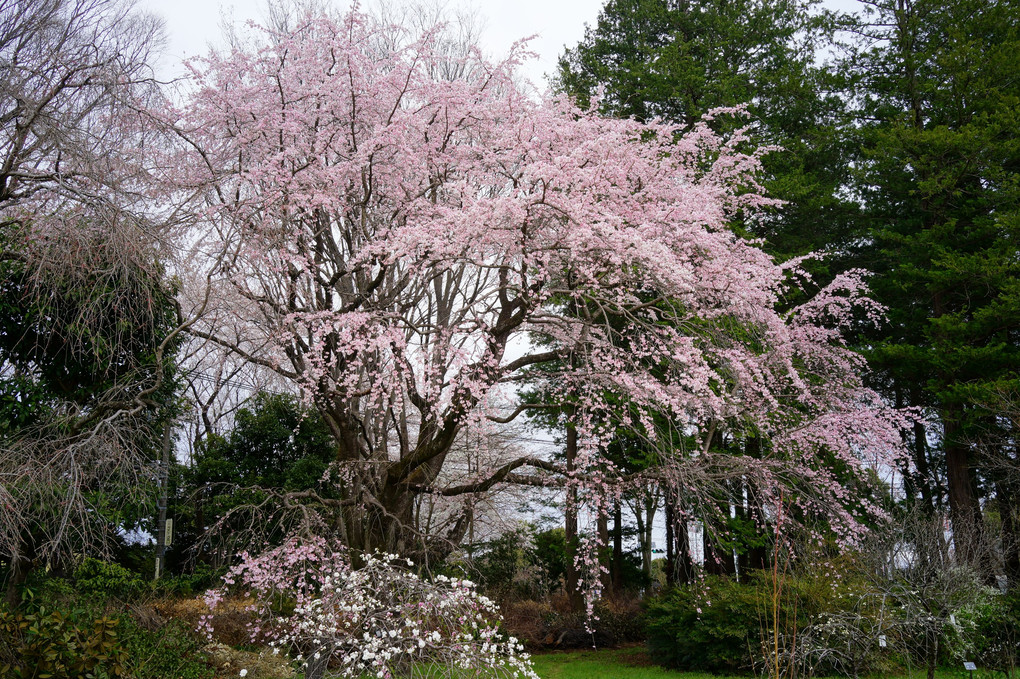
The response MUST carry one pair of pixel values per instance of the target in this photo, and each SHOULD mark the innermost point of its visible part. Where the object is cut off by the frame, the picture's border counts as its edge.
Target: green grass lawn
(612, 663)
(633, 663)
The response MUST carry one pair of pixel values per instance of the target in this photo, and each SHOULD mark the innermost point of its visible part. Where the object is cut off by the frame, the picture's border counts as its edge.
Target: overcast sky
(193, 24)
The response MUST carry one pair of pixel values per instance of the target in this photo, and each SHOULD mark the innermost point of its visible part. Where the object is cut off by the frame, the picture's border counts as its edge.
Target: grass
(633, 663)
(613, 663)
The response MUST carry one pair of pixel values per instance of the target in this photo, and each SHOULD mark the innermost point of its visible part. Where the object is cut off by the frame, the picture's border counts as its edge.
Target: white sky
(192, 25)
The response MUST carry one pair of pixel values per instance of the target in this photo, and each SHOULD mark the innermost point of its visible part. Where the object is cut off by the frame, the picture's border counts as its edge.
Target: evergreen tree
(679, 59)
(938, 94)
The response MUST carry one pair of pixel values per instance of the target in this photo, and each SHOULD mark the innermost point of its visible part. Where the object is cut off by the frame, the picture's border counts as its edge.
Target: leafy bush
(71, 630)
(103, 579)
(721, 625)
(45, 643)
(188, 584)
(997, 639)
(711, 628)
(170, 651)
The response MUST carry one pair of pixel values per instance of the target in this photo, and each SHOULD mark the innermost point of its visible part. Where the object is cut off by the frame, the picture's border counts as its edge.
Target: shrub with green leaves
(76, 630)
(720, 625)
(707, 627)
(95, 577)
(997, 637)
(48, 643)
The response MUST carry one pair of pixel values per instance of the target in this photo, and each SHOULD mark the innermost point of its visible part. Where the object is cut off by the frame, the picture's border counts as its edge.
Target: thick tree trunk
(964, 507)
(651, 505)
(923, 475)
(670, 544)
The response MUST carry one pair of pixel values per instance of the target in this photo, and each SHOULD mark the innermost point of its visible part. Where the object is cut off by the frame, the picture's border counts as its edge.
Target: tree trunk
(670, 543)
(570, 524)
(964, 508)
(617, 570)
(21, 565)
(651, 505)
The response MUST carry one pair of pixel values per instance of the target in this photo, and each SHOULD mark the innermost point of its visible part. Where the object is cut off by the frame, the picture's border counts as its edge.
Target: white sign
(969, 666)
(881, 641)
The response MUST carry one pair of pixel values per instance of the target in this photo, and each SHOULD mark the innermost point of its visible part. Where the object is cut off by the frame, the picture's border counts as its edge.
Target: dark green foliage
(276, 445)
(721, 625)
(47, 644)
(716, 630)
(187, 585)
(83, 329)
(102, 579)
(997, 635)
(551, 552)
(171, 651)
(73, 630)
(939, 181)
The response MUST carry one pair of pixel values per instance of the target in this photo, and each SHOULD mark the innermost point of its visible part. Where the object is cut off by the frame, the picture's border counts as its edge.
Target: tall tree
(87, 317)
(937, 94)
(390, 240)
(678, 59)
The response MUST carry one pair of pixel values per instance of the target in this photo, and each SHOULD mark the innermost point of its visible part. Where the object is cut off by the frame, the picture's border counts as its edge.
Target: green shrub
(997, 638)
(103, 579)
(720, 625)
(44, 643)
(709, 628)
(73, 630)
(509, 569)
(187, 585)
(171, 651)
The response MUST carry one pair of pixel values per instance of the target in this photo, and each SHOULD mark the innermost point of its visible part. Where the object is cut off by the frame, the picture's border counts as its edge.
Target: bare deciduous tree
(90, 320)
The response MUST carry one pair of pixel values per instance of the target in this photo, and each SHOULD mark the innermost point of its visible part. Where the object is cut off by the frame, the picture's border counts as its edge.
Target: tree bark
(570, 524)
(964, 507)
(617, 569)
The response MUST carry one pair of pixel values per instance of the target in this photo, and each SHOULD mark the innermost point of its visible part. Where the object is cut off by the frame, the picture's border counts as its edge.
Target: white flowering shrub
(378, 620)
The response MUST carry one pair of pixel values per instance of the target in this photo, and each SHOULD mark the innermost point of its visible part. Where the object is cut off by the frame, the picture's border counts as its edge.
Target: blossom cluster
(379, 619)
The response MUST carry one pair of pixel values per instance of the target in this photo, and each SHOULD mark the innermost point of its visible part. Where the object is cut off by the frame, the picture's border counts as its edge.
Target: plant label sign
(969, 666)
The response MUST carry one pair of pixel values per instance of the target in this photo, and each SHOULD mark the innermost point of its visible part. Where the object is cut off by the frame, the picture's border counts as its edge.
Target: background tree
(87, 318)
(276, 445)
(937, 97)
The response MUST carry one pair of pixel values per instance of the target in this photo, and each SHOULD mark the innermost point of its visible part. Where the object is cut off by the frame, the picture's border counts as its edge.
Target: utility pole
(164, 491)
